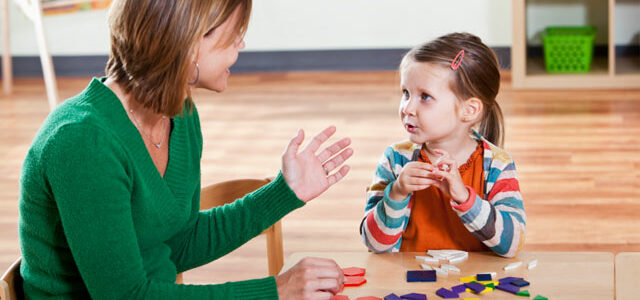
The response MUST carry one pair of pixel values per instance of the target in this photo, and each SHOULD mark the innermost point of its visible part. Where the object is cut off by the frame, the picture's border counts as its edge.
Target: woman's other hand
(311, 278)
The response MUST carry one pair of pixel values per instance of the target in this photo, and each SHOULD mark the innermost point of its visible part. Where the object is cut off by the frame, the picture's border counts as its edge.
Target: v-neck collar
(111, 108)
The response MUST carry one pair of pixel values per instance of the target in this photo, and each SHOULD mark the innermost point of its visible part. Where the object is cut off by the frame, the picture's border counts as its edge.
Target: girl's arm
(498, 221)
(385, 219)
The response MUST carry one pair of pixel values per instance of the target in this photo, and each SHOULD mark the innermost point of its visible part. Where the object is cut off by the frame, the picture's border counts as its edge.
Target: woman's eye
(405, 94)
(426, 97)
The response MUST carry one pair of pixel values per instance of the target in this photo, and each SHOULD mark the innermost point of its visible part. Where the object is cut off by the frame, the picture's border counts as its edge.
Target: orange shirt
(433, 223)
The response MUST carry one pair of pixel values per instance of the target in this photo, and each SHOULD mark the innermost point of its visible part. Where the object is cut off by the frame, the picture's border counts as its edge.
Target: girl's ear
(472, 110)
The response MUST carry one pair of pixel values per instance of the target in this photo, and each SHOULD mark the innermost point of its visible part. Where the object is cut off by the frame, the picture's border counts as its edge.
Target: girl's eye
(426, 97)
(405, 94)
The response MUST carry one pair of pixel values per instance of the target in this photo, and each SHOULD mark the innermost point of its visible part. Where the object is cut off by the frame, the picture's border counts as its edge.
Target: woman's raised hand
(309, 174)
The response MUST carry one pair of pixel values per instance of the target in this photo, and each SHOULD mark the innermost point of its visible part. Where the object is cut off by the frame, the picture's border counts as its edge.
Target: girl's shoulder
(403, 151)
(492, 152)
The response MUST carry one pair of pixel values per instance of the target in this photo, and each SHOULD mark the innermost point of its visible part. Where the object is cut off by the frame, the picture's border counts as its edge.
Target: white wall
(334, 24)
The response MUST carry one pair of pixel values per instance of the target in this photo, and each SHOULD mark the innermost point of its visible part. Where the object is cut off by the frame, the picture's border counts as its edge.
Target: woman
(110, 187)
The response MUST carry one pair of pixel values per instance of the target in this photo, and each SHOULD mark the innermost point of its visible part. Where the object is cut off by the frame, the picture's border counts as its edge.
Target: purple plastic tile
(475, 287)
(506, 280)
(414, 296)
(447, 294)
(459, 288)
(520, 282)
(392, 296)
(483, 277)
(507, 287)
(421, 276)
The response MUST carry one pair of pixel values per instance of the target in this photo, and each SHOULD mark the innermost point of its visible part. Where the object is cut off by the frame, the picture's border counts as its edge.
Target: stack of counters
(429, 260)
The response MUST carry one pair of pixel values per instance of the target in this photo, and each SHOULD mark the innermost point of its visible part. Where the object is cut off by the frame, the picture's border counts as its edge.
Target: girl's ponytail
(492, 125)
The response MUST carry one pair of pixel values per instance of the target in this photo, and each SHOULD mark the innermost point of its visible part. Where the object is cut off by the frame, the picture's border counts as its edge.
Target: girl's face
(428, 107)
(214, 61)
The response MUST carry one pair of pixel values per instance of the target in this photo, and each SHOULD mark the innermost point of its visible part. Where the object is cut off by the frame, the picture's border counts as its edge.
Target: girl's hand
(308, 173)
(311, 278)
(448, 178)
(414, 176)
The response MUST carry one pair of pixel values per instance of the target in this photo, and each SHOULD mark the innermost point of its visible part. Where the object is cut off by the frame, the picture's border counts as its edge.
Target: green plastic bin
(568, 49)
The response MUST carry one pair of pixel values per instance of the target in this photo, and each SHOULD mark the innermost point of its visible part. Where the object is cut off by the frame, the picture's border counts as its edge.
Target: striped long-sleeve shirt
(496, 218)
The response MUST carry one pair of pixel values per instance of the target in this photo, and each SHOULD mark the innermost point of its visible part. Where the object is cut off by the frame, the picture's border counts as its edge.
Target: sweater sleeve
(220, 230)
(92, 191)
(498, 221)
(384, 219)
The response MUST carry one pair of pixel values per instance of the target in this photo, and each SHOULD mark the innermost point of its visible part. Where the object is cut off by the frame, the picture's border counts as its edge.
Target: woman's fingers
(294, 144)
(335, 177)
(338, 160)
(320, 138)
(333, 149)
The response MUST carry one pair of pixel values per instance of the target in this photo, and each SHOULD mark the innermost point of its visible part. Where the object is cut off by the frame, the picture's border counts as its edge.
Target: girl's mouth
(410, 128)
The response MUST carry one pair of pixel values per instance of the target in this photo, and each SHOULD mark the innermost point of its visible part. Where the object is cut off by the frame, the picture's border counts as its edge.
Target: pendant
(158, 145)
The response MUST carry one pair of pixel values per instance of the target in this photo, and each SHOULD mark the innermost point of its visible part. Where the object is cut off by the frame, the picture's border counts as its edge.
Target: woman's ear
(472, 110)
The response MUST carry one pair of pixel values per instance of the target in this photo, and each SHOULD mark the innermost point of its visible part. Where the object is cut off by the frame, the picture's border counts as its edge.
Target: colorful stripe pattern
(496, 218)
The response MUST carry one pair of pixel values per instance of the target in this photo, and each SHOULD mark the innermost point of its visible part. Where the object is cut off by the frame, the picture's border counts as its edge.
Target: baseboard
(277, 61)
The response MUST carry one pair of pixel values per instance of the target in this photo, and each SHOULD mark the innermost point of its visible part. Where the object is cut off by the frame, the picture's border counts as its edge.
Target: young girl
(449, 186)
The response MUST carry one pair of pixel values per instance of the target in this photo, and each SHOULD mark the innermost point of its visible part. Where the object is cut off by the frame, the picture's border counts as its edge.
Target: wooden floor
(577, 153)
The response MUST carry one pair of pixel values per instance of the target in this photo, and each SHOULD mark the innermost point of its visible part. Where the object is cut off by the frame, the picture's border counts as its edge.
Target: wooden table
(558, 275)
(627, 275)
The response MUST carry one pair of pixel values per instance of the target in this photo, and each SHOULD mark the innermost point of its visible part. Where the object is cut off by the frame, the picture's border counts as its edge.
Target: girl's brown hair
(153, 43)
(477, 76)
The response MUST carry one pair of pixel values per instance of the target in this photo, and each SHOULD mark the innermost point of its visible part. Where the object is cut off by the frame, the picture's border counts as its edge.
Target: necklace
(158, 145)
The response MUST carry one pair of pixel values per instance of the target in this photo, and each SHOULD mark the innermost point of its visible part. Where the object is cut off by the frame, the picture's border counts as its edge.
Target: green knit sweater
(97, 219)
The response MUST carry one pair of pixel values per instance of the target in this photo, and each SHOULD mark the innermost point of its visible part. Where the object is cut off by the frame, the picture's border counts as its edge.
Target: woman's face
(214, 59)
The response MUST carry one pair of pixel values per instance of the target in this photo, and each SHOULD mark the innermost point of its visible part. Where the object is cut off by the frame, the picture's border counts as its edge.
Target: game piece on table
(475, 287)
(532, 264)
(458, 258)
(440, 272)
(414, 296)
(520, 282)
(506, 280)
(467, 279)
(354, 281)
(483, 277)
(428, 259)
(354, 271)
(340, 297)
(524, 293)
(421, 276)
(512, 266)
(459, 288)
(507, 287)
(450, 268)
(447, 294)
(540, 298)
(426, 267)
(490, 285)
(488, 282)
(392, 296)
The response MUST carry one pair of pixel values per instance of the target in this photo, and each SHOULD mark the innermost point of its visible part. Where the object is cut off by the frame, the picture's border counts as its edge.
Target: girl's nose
(409, 107)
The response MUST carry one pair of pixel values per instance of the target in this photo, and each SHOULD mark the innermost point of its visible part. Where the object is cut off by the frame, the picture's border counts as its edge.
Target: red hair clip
(457, 61)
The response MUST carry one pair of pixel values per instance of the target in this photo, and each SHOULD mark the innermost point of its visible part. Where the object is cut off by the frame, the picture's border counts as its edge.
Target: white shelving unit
(529, 72)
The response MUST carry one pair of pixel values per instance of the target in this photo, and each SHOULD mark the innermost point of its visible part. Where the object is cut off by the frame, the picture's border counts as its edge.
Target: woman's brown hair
(477, 76)
(153, 43)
